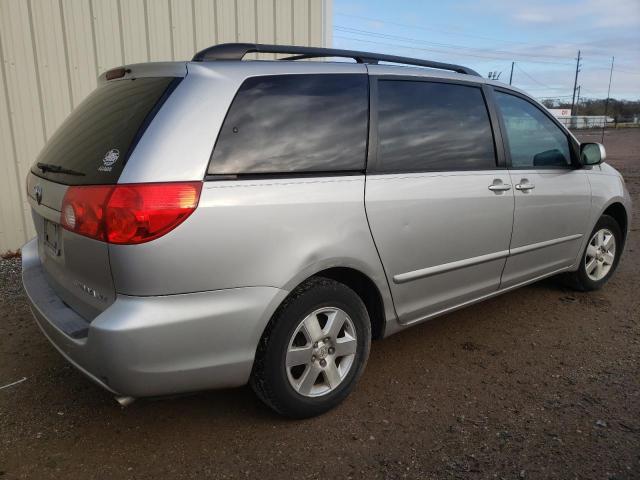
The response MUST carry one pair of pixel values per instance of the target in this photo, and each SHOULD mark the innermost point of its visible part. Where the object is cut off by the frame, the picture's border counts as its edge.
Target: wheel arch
(366, 289)
(618, 212)
(373, 291)
(615, 208)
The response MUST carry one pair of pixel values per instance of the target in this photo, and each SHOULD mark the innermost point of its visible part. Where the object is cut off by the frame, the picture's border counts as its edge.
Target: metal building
(51, 52)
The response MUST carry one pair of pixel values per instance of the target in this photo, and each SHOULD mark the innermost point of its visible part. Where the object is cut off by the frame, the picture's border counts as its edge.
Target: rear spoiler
(140, 70)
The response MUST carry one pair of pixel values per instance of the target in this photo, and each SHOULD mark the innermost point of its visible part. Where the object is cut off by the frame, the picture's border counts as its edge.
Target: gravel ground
(542, 382)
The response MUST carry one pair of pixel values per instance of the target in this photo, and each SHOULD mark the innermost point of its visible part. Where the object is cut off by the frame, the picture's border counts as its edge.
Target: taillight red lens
(140, 213)
(129, 214)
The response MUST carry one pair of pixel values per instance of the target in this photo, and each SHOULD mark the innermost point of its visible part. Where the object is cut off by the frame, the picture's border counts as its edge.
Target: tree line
(618, 109)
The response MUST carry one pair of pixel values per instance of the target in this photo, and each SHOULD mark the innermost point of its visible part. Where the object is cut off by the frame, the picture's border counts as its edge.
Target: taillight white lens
(83, 210)
(69, 217)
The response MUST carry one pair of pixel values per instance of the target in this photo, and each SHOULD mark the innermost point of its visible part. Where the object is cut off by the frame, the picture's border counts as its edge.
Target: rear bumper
(148, 346)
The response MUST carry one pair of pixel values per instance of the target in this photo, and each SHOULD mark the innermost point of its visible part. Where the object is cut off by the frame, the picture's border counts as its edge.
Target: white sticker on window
(109, 159)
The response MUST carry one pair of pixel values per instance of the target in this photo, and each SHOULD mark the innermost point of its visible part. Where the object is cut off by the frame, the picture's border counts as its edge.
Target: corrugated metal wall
(52, 51)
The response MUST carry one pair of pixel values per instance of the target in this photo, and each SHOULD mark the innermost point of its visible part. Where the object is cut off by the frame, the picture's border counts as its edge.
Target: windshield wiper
(50, 167)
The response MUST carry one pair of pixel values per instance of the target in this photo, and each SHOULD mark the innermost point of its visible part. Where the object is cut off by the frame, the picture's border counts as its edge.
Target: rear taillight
(83, 210)
(128, 214)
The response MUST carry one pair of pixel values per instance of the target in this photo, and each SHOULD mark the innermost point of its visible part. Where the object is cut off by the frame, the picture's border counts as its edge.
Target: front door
(552, 196)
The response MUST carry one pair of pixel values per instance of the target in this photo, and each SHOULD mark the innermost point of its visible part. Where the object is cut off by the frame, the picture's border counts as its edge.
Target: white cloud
(599, 13)
(532, 17)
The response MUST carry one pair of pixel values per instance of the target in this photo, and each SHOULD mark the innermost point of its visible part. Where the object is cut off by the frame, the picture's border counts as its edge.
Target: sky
(542, 37)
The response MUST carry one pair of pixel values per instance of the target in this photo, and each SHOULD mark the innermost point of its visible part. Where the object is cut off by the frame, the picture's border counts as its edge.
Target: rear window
(294, 123)
(430, 126)
(94, 142)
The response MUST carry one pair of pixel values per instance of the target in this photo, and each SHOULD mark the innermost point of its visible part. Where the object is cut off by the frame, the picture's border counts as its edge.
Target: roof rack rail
(236, 51)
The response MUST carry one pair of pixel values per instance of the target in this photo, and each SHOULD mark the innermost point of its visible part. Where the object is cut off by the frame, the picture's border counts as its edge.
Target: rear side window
(534, 140)
(294, 123)
(93, 143)
(429, 126)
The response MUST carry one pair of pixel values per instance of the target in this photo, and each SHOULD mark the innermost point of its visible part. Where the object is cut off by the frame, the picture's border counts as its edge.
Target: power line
(625, 71)
(553, 97)
(448, 31)
(462, 34)
(509, 54)
(417, 27)
(447, 52)
(478, 52)
(537, 81)
(588, 92)
(463, 54)
(369, 32)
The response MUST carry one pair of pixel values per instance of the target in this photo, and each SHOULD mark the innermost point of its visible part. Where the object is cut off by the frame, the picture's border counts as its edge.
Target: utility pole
(606, 105)
(511, 76)
(575, 83)
(578, 99)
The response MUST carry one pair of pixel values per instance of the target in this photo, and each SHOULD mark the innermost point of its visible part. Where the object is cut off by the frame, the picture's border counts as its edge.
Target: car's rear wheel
(313, 350)
(600, 257)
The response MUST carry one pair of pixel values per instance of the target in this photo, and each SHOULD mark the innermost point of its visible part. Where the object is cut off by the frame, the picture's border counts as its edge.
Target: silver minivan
(218, 222)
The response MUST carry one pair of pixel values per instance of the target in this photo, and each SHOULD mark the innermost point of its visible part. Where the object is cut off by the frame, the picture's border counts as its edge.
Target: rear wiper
(50, 167)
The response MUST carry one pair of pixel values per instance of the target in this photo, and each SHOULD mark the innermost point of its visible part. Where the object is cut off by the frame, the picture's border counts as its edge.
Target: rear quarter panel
(247, 233)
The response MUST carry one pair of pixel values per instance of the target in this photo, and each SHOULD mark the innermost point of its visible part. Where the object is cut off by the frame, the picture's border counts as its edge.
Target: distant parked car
(219, 222)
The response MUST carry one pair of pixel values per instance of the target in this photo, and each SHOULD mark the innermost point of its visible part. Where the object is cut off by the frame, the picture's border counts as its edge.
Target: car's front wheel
(600, 257)
(314, 349)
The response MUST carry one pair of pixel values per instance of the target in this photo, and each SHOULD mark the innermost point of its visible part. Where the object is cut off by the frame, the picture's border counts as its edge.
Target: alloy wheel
(600, 255)
(321, 352)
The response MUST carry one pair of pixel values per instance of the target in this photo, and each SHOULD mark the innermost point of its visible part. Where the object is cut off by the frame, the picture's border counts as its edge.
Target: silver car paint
(542, 242)
(421, 221)
(186, 310)
(147, 346)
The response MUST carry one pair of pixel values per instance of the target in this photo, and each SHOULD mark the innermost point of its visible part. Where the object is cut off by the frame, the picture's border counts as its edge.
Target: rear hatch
(90, 148)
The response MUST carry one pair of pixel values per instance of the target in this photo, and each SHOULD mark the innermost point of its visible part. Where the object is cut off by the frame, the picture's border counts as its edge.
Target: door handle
(525, 187)
(499, 187)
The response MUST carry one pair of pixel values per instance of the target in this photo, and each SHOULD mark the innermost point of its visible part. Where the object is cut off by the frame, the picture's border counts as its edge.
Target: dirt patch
(542, 382)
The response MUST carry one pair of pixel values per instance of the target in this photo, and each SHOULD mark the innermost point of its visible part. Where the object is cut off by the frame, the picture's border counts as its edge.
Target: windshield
(94, 142)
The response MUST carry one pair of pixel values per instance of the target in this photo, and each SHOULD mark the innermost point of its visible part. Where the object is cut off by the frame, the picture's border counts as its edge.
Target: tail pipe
(125, 401)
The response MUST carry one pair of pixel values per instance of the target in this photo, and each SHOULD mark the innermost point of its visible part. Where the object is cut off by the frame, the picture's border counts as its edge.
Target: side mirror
(592, 153)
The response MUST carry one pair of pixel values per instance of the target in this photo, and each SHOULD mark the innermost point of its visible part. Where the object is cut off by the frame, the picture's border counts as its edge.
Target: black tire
(269, 378)
(579, 279)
